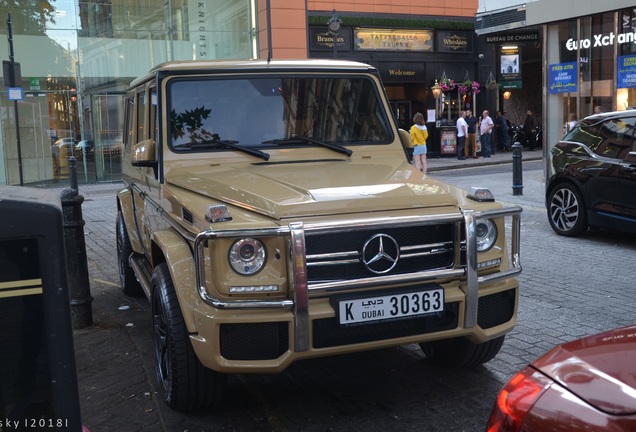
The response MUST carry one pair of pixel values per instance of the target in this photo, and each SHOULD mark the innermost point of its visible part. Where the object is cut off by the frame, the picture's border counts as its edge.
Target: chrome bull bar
(302, 290)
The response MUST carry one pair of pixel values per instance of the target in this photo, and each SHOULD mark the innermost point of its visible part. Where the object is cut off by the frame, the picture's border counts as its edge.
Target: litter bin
(38, 378)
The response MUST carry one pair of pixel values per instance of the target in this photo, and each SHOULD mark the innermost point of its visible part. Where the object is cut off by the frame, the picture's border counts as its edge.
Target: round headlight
(486, 232)
(247, 256)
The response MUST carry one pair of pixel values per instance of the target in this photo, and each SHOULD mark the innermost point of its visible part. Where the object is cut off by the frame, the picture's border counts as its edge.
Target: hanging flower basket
(468, 87)
(447, 85)
(492, 85)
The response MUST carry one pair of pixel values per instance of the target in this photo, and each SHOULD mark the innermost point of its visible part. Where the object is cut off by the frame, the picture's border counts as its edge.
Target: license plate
(391, 306)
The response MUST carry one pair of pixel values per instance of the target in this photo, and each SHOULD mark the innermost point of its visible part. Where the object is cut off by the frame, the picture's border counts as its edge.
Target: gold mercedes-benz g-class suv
(270, 214)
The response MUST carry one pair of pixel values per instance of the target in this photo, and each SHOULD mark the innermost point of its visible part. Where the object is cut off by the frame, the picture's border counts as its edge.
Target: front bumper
(267, 335)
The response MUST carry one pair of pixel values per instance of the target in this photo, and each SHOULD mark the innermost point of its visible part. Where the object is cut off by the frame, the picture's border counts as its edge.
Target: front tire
(566, 211)
(187, 385)
(460, 352)
(129, 283)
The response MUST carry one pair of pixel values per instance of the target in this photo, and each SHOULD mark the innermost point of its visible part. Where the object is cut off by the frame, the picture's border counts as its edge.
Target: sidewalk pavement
(117, 382)
(444, 163)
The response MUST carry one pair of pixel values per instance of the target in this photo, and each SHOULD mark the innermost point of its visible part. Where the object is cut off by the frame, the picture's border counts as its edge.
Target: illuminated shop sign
(393, 40)
(455, 42)
(321, 39)
(626, 72)
(562, 78)
(513, 37)
(510, 63)
(600, 40)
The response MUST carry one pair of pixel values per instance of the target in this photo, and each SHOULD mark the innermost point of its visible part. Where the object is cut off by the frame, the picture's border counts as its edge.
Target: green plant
(384, 22)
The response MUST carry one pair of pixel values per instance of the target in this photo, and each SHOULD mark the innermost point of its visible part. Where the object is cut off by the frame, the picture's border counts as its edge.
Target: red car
(585, 385)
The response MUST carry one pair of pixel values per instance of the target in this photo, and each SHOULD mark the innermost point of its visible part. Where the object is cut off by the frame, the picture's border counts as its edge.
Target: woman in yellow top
(419, 135)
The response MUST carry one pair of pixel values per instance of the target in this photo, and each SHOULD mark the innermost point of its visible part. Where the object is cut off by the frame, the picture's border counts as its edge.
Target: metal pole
(270, 50)
(517, 180)
(15, 102)
(335, 41)
(76, 261)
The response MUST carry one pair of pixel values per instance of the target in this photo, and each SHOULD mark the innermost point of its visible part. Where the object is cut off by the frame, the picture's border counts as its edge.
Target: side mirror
(144, 154)
(406, 138)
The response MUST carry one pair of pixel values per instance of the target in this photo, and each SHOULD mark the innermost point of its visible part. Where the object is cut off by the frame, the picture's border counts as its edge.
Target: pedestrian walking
(419, 135)
(529, 129)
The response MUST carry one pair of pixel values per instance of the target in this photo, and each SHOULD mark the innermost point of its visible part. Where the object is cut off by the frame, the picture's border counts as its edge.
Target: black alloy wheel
(566, 211)
(187, 385)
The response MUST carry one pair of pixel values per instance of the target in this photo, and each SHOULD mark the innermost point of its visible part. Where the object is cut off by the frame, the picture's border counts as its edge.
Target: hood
(600, 369)
(315, 188)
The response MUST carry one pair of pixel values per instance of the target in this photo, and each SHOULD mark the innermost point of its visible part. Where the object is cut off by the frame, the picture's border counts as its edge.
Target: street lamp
(507, 94)
(437, 91)
(334, 28)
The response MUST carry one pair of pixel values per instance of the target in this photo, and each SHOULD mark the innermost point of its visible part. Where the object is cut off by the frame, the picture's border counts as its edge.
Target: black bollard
(517, 177)
(76, 262)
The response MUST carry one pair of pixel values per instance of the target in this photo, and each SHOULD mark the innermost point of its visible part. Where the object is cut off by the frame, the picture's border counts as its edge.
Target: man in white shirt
(462, 132)
(485, 133)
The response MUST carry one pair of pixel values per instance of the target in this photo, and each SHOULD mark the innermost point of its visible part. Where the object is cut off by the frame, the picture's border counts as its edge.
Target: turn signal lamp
(480, 194)
(218, 213)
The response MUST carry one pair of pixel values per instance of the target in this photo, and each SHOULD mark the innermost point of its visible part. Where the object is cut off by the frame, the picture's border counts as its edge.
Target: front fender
(125, 205)
(178, 256)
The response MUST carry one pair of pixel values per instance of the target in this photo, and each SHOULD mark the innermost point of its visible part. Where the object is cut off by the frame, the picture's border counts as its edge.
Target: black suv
(593, 176)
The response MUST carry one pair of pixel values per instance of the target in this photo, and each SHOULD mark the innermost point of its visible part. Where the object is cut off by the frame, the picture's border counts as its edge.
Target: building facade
(76, 57)
(587, 56)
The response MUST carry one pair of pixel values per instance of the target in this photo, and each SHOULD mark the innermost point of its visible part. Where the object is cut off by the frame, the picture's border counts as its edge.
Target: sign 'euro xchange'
(600, 40)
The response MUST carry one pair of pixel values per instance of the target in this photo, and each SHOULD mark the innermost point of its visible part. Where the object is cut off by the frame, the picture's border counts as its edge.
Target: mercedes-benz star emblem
(380, 253)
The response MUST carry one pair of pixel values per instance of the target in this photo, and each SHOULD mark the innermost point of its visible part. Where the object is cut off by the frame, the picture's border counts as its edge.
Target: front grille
(342, 256)
(496, 309)
(259, 341)
(329, 333)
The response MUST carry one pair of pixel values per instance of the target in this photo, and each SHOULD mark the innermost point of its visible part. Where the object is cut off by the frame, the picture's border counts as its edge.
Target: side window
(141, 116)
(128, 127)
(586, 134)
(154, 116)
(617, 138)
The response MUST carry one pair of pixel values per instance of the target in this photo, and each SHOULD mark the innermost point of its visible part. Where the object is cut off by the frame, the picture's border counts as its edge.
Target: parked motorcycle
(519, 135)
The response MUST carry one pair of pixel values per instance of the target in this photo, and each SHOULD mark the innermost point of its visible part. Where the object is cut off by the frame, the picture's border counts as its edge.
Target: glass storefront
(76, 58)
(591, 67)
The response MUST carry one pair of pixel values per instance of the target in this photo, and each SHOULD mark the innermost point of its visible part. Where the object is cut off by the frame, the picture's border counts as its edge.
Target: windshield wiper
(334, 147)
(226, 143)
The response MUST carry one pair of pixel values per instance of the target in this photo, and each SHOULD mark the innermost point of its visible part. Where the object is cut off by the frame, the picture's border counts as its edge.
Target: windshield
(263, 112)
